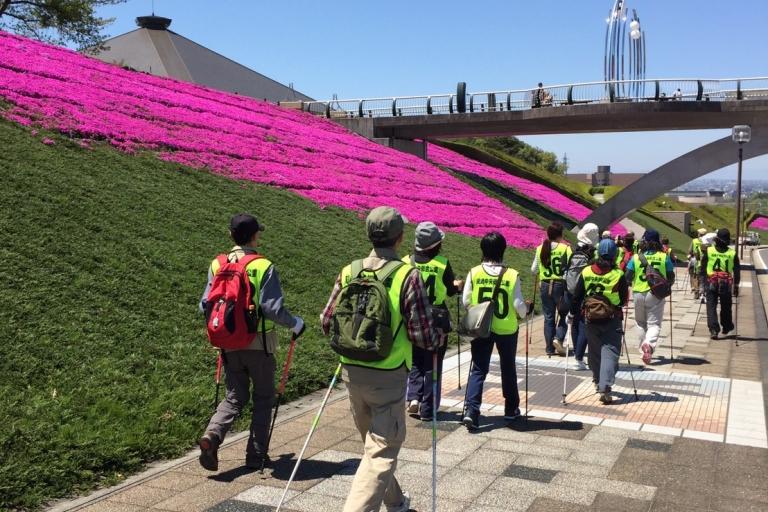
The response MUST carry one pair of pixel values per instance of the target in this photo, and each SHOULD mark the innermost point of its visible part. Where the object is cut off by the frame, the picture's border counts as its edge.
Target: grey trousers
(377, 400)
(244, 368)
(649, 314)
(604, 341)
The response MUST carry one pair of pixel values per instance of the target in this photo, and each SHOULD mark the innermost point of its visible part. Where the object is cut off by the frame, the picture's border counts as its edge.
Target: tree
(57, 21)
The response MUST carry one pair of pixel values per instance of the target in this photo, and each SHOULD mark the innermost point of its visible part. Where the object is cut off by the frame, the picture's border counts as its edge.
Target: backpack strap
(413, 260)
(643, 259)
(356, 268)
(387, 270)
(498, 284)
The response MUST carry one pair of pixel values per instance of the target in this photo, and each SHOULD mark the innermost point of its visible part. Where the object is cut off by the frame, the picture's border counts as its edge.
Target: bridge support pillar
(364, 126)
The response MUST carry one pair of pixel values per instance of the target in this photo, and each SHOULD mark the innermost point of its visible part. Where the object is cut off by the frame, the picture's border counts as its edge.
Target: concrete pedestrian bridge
(592, 107)
(595, 107)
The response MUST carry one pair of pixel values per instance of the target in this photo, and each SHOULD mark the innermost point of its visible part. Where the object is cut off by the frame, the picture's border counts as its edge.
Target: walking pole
(434, 429)
(280, 391)
(565, 373)
(626, 349)
(671, 341)
(695, 322)
(458, 337)
(311, 431)
(535, 286)
(735, 321)
(217, 378)
(527, 342)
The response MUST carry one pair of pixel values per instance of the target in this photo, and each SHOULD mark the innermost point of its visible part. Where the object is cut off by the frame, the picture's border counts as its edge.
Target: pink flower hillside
(760, 223)
(546, 196)
(239, 137)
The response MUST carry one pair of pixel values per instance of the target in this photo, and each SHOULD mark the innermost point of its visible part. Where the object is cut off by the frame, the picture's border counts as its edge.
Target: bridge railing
(735, 89)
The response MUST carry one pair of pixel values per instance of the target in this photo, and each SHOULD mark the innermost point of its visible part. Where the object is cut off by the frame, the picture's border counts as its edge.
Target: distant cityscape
(748, 187)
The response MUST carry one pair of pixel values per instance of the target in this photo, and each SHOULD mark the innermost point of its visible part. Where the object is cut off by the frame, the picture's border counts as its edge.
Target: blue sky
(398, 48)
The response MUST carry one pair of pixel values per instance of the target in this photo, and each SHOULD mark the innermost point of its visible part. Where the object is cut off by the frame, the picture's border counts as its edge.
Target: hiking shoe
(712, 334)
(647, 352)
(605, 397)
(726, 331)
(558, 347)
(209, 451)
(425, 418)
(404, 505)
(253, 460)
(471, 421)
(579, 365)
(512, 415)
(413, 407)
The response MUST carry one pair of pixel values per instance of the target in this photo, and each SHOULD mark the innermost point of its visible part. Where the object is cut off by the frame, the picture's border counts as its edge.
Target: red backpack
(230, 316)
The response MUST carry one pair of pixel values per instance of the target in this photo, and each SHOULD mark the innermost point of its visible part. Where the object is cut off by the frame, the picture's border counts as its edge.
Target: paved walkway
(695, 439)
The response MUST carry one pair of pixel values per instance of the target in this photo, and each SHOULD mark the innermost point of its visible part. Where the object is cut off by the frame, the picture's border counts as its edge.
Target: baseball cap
(243, 226)
(384, 223)
(701, 231)
(724, 235)
(607, 249)
(651, 235)
(428, 235)
(606, 234)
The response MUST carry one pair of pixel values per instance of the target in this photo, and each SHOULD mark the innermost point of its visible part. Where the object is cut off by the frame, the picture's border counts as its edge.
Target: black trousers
(726, 316)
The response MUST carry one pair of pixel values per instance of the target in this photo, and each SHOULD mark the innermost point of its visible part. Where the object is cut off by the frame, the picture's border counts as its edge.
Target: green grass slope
(104, 363)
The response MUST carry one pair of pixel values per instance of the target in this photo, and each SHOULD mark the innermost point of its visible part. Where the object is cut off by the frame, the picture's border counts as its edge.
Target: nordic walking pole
(565, 374)
(217, 379)
(458, 337)
(434, 429)
(527, 342)
(311, 431)
(280, 391)
(535, 287)
(695, 322)
(671, 341)
(626, 349)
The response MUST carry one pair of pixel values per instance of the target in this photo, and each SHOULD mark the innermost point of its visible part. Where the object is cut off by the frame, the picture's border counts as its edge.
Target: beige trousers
(377, 401)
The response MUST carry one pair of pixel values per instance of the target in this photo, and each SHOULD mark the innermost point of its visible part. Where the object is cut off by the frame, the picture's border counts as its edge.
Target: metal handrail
(522, 99)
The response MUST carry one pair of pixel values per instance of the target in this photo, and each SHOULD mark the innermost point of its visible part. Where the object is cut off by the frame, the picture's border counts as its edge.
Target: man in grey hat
(437, 274)
(377, 388)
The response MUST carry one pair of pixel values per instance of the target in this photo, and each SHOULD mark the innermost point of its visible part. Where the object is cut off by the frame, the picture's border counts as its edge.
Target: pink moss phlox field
(238, 137)
(760, 223)
(544, 195)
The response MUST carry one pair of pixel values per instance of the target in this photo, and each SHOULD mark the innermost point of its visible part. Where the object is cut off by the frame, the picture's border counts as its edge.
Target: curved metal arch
(677, 172)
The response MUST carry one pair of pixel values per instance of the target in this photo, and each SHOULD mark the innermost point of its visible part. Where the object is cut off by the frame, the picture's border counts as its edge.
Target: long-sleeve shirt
(579, 295)
(414, 302)
(736, 265)
(270, 299)
(493, 269)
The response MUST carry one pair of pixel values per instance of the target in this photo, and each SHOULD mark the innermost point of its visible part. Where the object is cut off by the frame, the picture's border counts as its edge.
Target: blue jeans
(506, 346)
(550, 298)
(420, 379)
(579, 336)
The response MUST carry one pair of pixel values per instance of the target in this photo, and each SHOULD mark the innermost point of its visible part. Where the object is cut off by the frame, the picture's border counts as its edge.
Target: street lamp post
(741, 134)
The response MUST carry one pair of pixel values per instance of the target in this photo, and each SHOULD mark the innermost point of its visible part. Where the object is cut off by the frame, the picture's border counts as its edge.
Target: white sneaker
(413, 407)
(404, 506)
(579, 365)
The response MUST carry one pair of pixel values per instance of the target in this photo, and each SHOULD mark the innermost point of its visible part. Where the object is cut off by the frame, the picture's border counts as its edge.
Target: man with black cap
(255, 363)
(720, 272)
(377, 388)
(649, 309)
(437, 274)
(601, 292)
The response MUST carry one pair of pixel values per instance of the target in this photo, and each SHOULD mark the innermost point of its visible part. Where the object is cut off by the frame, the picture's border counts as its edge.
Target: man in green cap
(377, 388)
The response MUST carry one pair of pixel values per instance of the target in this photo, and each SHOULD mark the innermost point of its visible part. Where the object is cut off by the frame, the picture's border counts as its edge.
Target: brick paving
(695, 439)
